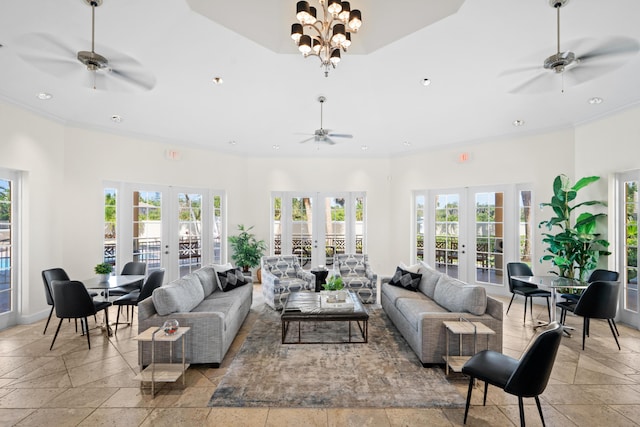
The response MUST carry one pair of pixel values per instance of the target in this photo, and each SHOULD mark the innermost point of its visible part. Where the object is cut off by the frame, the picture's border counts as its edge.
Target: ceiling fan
(119, 73)
(598, 60)
(322, 134)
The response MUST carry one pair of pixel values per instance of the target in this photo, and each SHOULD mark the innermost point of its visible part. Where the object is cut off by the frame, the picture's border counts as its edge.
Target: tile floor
(72, 385)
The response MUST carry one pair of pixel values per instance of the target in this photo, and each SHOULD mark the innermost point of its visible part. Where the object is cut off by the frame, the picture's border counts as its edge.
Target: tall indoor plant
(246, 249)
(576, 246)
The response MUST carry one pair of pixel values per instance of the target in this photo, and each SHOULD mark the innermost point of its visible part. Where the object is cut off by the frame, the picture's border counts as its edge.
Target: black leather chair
(570, 300)
(72, 301)
(133, 298)
(527, 377)
(48, 276)
(527, 291)
(132, 268)
(599, 301)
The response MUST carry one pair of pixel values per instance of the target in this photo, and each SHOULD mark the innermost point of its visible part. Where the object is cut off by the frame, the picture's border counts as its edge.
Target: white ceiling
(470, 50)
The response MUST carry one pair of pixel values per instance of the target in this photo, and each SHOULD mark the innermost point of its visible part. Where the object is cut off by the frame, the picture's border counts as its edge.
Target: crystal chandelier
(327, 36)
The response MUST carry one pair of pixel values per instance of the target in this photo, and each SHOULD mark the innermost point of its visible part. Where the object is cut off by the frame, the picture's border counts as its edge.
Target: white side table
(460, 328)
(162, 372)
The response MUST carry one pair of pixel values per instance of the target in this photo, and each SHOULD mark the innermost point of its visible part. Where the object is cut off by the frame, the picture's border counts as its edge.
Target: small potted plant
(103, 270)
(333, 288)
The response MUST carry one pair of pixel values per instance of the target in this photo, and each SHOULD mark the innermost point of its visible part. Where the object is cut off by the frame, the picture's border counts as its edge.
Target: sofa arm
(385, 279)
(307, 276)
(270, 278)
(494, 308)
(146, 309)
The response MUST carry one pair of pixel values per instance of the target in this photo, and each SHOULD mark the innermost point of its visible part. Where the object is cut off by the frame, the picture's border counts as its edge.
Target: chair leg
(521, 407)
(585, 324)
(466, 408)
(48, 319)
(512, 297)
(549, 308)
(486, 387)
(615, 327)
(610, 321)
(540, 410)
(525, 310)
(56, 335)
(86, 325)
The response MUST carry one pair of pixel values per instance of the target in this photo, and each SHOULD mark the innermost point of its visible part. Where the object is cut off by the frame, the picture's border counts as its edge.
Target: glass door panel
(335, 232)
(489, 237)
(189, 243)
(6, 246)
(447, 233)
(420, 228)
(147, 229)
(302, 229)
(630, 259)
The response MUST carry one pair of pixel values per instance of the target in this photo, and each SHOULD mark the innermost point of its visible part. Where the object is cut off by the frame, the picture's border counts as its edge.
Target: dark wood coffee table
(312, 307)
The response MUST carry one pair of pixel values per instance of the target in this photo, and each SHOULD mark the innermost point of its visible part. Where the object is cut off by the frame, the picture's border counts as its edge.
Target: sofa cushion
(406, 279)
(231, 279)
(179, 296)
(413, 309)
(430, 278)
(208, 279)
(458, 297)
(394, 292)
(218, 268)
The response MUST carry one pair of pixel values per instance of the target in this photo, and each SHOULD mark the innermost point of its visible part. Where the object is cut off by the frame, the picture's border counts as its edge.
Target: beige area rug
(382, 373)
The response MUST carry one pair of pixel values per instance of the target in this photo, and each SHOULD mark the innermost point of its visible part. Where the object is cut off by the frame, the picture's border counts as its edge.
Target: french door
(9, 253)
(461, 232)
(316, 226)
(165, 227)
(627, 250)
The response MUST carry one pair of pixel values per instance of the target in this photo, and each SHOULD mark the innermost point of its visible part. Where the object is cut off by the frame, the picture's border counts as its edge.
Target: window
(109, 242)
(630, 259)
(525, 230)
(7, 264)
(489, 227)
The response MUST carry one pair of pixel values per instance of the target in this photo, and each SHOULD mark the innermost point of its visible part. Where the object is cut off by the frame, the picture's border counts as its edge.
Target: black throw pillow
(231, 279)
(406, 279)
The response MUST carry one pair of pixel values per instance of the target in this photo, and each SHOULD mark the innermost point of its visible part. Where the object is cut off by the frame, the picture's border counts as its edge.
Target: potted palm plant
(576, 247)
(247, 251)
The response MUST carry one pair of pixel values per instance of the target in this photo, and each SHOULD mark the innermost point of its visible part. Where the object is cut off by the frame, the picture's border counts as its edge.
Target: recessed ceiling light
(595, 100)
(232, 142)
(116, 118)
(218, 80)
(275, 147)
(426, 82)
(407, 144)
(44, 96)
(518, 123)
(364, 148)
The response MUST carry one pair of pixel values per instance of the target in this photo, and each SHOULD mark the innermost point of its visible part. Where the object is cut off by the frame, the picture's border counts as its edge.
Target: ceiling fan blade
(585, 72)
(329, 140)
(536, 84)
(340, 135)
(140, 79)
(520, 70)
(307, 140)
(615, 46)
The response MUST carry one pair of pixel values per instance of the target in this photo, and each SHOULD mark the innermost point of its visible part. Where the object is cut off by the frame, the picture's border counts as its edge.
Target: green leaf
(583, 182)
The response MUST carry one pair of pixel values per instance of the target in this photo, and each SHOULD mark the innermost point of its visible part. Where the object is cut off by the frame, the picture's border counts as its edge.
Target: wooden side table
(460, 328)
(162, 372)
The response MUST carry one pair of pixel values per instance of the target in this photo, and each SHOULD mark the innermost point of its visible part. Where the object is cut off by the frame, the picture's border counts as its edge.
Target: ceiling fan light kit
(328, 36)
(322, 134)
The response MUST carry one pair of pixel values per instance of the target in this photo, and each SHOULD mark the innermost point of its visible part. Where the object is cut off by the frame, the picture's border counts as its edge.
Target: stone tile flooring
(72, 385)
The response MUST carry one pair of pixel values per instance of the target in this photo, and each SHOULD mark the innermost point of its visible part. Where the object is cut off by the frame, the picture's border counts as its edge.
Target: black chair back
(517, 269)
(532, 374)
(153, 281)
(603, 275)
(599, 301)
(134, 268)
(72, 300)
(48, 276)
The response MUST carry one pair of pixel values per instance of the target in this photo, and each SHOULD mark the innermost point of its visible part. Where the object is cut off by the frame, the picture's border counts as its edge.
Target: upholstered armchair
(282, 275)
(357, 275)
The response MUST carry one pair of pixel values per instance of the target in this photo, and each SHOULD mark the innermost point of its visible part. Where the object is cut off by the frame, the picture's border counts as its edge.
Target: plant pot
(104, 277)
(259, 275)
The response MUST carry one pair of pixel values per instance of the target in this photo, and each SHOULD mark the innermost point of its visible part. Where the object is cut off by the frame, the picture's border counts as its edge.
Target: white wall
(65, 168)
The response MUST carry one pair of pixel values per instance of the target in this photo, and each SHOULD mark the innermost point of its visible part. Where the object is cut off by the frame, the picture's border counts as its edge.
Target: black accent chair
(72, 301)
(48, 276)
(132, 268)
(133, 298)
(570, 300)
(528, 291)
(599, 301)
(527, 377)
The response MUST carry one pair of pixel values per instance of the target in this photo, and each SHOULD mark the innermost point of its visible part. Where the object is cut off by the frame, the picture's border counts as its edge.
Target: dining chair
(598, 301)
(133, 298)
(132, 268)
(526, 377)
(570, 300)
(72, 301)
(528, 291)
(48, 276)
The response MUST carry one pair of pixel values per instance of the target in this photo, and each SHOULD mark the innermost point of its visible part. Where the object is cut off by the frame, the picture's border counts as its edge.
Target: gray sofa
(196, 300)
(419, 314)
